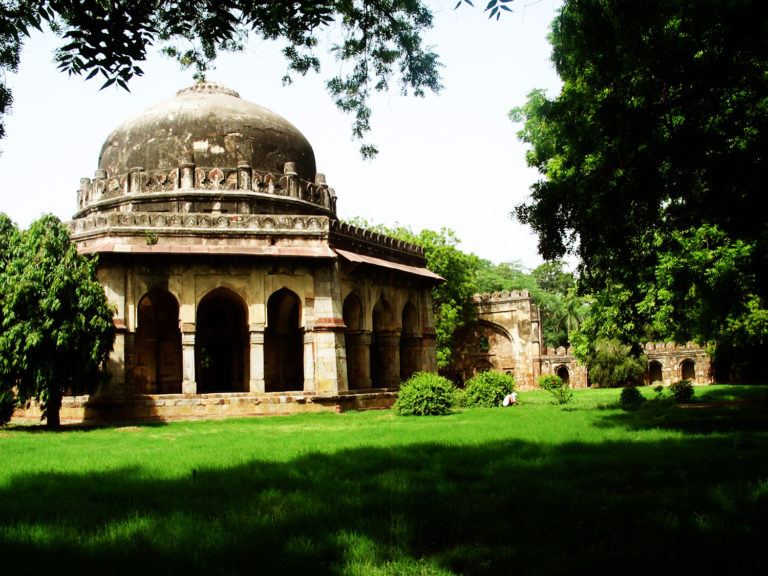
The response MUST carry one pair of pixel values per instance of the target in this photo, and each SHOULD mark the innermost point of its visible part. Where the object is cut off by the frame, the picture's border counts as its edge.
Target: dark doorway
(283, 343)
(383, 346)
(654, 373)
(688, 370)
(157, 347)
(221, 343)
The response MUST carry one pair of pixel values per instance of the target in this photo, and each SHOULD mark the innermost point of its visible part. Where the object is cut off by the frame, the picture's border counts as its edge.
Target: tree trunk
(52, 408)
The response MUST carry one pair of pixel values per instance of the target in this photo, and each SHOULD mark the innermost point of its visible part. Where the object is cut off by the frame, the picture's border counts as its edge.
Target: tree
(611, 363)
(653, 162)
(381, 40)
(56, 328)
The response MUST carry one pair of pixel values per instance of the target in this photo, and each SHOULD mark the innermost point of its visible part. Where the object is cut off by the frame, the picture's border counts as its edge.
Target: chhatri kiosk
(236, 288)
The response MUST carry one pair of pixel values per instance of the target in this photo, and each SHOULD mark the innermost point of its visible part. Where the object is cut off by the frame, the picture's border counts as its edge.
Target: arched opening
(410, 343)
(655, 375)
(283, 343)
(688, 370)
(383, 346)
(357, 344)
(221, 343)
(562, 372)
(157, 346)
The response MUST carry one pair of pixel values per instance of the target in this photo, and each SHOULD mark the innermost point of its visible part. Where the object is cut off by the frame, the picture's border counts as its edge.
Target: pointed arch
(221, 343)
(283, 343)
(384, 346)
(157, 344)
(655, 372)
(688, 370)
(357, 343)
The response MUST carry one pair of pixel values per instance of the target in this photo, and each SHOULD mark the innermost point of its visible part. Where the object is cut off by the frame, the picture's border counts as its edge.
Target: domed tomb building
(236, 289)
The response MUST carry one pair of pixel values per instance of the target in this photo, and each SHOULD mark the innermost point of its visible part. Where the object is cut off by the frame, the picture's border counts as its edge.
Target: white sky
(449, 160)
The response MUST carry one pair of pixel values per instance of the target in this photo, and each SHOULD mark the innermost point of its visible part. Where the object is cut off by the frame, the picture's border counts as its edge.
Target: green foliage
(611, 363)
(425, 393)
(682, 391)
(557, 387)
(631, 398)
(488, 389)
(7, 406)
(652, 164)
(56, 328)
(377, 42)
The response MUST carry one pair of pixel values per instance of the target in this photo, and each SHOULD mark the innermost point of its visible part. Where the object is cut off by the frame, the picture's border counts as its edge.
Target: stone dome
(211, 126)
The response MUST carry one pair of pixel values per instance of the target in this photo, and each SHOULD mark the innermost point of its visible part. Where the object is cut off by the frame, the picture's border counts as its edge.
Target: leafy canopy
(56, 329)
(379, 40)
(653, 165)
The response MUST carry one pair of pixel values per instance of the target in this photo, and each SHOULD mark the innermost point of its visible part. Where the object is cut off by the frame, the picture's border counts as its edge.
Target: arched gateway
(236, 288)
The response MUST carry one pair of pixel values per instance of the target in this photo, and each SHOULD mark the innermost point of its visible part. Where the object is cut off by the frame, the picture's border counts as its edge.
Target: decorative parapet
(671, 346)
(365, 237)
(501, 296)
(191, 178)
(128, 222)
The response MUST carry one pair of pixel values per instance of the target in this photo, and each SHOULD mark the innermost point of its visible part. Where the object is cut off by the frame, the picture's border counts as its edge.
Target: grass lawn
(532, 489)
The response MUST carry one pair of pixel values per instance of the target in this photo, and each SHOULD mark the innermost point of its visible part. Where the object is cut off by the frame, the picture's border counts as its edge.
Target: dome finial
(208, 87)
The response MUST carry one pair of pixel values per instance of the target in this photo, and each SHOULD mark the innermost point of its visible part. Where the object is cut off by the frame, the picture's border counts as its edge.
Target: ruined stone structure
(507, 338)
(236, 288)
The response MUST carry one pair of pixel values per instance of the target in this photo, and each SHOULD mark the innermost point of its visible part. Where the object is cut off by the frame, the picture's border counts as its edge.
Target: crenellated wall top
(364, 236)
(501, 296)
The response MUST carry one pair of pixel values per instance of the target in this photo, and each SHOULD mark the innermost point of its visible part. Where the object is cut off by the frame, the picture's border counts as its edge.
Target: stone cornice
(132, 223)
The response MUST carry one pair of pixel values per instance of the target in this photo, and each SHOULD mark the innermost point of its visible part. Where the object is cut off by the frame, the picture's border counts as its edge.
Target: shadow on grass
(495, 508)
(704, 417)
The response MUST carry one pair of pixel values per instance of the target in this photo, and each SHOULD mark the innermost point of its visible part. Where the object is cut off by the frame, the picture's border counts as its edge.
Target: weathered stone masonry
(507, 338)
(236, 288)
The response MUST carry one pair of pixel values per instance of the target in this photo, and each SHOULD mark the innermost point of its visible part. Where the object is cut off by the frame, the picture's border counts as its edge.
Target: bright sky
(449, 160)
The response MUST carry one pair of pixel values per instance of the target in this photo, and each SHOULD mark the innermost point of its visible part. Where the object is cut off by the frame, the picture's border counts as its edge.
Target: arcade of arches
(236, 288)
(262, 333)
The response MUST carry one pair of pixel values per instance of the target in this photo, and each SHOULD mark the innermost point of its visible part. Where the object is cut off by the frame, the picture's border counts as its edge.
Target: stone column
(388, 350)
(116, 364)
(358, 345)
(188, 384)
(429, 350)
(309, 362)
(256, 378)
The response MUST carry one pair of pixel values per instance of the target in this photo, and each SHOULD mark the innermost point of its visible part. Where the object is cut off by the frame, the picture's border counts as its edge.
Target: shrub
(631, 398)
(7, 405)
(612, 364)
(557, 387)
(488, 389)
(682, 391)
(425, 393)
(460, 398)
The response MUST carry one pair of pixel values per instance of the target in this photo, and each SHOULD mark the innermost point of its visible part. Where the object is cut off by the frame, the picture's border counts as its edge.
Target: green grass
(533, 489)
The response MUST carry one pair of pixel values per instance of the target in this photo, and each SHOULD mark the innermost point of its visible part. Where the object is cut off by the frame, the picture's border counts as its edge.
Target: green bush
(488, 389)
(425, 393)
(557, 387)
(682, 391)
(7, 405)
(631, 398)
